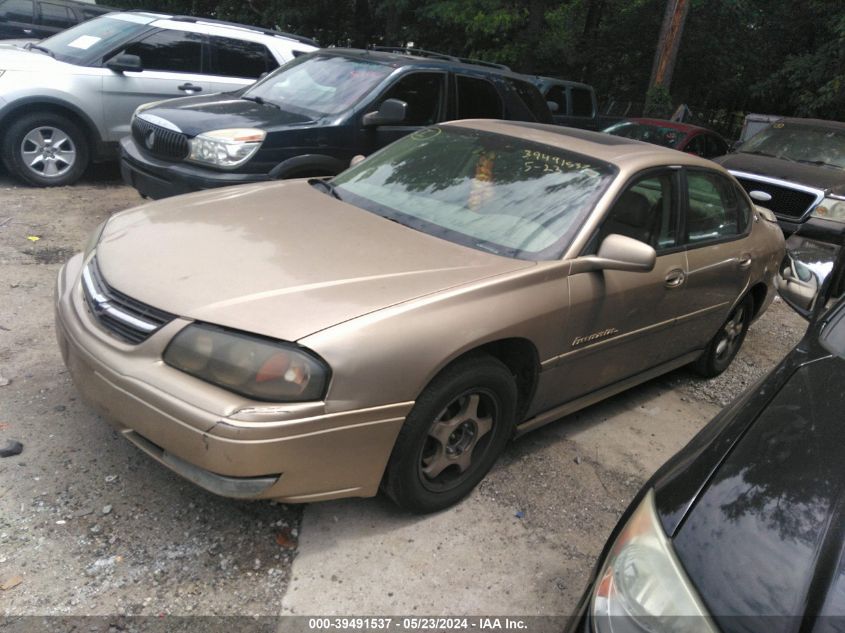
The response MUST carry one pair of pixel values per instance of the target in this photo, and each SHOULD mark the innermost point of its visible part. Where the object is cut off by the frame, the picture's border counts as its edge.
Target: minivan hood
(817, 176)
(198, 114)
(282, 259)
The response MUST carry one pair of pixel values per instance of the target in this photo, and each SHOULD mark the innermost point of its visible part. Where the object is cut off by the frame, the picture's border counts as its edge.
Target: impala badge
(578, 340)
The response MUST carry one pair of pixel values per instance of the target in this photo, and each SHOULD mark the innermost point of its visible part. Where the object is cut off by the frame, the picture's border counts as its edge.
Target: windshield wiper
(30, 46)
(821, 163)
(262, 101)
(757, 152)
(326, 185)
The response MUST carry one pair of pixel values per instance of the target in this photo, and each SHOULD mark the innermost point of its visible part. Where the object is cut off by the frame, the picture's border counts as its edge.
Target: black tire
(723, 347)
(59, 164)
(472, 393)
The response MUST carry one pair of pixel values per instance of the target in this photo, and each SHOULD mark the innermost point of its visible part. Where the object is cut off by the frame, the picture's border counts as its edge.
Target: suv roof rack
(421, 52)
(245, 27)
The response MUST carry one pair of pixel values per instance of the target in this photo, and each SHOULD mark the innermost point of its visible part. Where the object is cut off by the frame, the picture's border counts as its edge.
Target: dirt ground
(92, 526)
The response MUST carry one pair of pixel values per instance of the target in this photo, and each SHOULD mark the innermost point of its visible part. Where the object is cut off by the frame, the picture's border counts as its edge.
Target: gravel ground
(92, 526)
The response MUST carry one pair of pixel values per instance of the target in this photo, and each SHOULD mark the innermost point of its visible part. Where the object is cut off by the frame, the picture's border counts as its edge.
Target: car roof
(623, 152)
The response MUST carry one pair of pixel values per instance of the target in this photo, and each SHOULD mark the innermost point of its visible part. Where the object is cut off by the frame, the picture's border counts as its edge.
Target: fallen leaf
(33, 238)
(285, 539)
(9, 583)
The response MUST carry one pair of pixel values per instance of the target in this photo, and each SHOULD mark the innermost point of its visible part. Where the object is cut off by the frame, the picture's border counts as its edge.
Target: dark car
(38, 19)
(796, 168)
(748, 520)
(312, 116)
(684, 137)
(572, 103)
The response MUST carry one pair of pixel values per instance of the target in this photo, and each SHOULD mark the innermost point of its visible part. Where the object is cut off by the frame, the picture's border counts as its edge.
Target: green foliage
(658, 102)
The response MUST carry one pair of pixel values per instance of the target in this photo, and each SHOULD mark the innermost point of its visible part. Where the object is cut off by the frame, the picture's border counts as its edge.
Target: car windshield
(488, 191)
(648, 132)
(320, 85)
(95, 38)
(802, 143)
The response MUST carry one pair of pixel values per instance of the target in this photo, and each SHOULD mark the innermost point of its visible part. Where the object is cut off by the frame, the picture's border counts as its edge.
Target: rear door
(232, 64)
(172, 67)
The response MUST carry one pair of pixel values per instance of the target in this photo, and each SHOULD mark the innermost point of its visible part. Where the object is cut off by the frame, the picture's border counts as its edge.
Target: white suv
(68, 100)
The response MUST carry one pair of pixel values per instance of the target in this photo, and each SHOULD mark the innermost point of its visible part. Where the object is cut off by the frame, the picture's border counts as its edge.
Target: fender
(306, 163)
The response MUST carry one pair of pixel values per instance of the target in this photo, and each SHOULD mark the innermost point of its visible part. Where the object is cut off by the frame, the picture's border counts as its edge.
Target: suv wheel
(45, 149)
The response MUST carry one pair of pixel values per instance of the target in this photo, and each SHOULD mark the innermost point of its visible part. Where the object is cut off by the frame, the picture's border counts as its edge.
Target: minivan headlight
(830, 209)
(642, 586)
(249, 365)
(226, 148)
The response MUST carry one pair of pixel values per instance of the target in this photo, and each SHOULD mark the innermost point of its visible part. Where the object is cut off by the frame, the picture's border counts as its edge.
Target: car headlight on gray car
(252, 366)
(642, 586)
(226, 148)
(830, 209)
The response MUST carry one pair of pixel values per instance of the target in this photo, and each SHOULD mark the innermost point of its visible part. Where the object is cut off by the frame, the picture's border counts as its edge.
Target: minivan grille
(159, 140)
(786, 201)
(126, 318)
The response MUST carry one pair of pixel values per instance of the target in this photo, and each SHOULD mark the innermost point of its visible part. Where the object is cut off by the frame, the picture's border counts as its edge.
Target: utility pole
(668, 43)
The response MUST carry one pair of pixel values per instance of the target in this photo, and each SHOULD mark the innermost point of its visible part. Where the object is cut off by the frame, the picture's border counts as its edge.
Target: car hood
(820, 177)
(281, 259)
(194, 115)
(16, 58)
(765, 535)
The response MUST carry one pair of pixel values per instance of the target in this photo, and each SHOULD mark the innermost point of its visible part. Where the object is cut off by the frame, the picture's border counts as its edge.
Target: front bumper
(154, 178)
(221, 442)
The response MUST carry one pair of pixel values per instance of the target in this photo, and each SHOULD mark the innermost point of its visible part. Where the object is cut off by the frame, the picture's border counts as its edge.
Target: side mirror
(125, 63)
(356, 159)
(805, 267)
(618, 252)
(390, 112)
(553, 106)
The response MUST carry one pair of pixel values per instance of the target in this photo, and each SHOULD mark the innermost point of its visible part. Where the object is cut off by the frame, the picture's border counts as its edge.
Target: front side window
(478, 99)
(582, 102)
(646, 211)
(715, 146)
(95, 39)
(423, 92)
(487, 191)
(320, 85)
(715, 210)
(697, 146)
(238, 58)
(170, 51)
(16, 11)
(529, 101)
(557, 95)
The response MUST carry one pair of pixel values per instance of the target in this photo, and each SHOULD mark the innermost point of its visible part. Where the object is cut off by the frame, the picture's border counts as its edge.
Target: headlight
(226, 148)
(147, 106)
(830, 209)
(642, 586)
(92, 242)
(254, 367)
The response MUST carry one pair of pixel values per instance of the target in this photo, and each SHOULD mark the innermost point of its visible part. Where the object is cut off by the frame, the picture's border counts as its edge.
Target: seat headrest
(632, 209)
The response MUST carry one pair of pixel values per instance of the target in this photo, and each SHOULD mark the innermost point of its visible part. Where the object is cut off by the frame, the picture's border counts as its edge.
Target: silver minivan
(66, 101)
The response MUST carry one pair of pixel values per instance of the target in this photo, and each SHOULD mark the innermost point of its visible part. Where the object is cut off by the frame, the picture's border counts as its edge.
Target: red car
(681, 136)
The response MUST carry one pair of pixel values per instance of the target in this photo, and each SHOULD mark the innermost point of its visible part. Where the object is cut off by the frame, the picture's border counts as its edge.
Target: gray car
(66, 101)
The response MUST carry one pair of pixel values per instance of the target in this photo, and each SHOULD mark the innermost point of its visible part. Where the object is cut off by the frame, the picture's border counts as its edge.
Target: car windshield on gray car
(94, 39)
(320, 85)
(814, 145)
(488, 191)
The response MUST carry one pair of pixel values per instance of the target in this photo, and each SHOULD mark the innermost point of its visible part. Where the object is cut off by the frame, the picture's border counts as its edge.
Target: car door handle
(744, 261)
(190, 88)
(675, 278)
(28, 31)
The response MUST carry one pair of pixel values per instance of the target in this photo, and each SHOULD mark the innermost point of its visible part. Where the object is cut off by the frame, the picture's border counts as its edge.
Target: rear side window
(715, 146)
(237, 58)
(168, 50)
(557, 95)
(16, 11)
(715, 210)
(56, 16)
(478, 99)
(582, 102)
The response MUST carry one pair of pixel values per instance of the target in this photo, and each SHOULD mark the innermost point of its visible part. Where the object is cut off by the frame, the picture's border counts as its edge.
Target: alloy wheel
(48, 152)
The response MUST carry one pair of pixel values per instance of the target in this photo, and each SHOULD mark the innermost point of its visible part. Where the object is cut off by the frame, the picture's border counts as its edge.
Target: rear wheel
(722, 348)
(45, 149)
(453, 435)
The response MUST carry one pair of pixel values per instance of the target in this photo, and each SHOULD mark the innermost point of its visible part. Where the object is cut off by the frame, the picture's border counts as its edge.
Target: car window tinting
(423, 92)
(715, 146)
(478, 99)
(56, 16)
(16, 11)
(645, 212)
(169, 50)
(582, 102)
(697, 146)
(238, 58)
(530, 101)
(487, 191)
(715, 210)
(95, 40)
(557, 95)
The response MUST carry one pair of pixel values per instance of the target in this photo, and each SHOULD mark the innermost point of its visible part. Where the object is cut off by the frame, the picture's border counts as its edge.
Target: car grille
(159, 140)
(124, 317)
(786, 201)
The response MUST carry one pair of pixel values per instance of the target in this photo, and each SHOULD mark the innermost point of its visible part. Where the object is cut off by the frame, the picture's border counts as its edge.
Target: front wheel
(722, 348)
(45, 149)
(453, 435)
